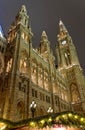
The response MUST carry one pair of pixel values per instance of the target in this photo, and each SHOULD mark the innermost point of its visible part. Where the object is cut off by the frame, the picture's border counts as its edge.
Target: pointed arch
(74, 93)
(20, 110)
(23, 63)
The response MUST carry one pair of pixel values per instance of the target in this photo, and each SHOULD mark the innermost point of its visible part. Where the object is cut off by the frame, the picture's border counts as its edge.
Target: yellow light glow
(76, 116)
(82, 119)
(69, 114)
(2, 125)
(64, 116)
(50, 119)
(42, 121)
(32, 124)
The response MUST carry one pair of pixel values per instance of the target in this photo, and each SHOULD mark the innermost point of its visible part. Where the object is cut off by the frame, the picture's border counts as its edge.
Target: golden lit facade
(28, 74)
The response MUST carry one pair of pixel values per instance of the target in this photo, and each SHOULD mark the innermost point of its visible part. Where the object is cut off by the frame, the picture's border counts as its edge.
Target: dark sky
(45, 15)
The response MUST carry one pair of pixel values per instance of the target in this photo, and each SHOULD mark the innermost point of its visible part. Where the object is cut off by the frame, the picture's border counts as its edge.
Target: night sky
(45, 15)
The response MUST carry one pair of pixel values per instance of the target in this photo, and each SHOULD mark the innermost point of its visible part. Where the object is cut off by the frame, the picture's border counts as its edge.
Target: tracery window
(25, 37)
(74, 93)
(46, 81)
(34, 72)
(20, 110)
(9, 64)
(23, 67)
(67, 57)
(40, 77)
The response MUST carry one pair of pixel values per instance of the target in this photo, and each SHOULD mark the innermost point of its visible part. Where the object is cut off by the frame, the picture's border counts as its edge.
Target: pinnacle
(44, 34)
(60, 22)
(62, 26)
(23, 9)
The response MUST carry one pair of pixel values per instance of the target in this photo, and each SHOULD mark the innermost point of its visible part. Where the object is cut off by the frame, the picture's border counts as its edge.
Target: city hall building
(31, 84)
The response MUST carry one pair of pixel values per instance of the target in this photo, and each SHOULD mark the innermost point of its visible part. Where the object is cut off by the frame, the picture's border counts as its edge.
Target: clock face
(1, 63)
(63, 42)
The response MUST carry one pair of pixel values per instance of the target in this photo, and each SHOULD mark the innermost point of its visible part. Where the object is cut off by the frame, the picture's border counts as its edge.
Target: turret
(67, 55)
(17, 61)
(44, 43)
(21, 25)
(45, 49)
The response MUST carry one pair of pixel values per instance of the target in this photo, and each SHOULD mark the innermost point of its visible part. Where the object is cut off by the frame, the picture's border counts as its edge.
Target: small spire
(23, 9)
(62, 27)
(22, 16)
(44, 34)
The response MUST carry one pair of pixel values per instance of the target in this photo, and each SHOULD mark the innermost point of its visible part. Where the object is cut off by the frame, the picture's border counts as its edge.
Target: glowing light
(69, 114)
(63, 42)
(2, 126)
(64, 116)
(76, 116)
(50, 119)
(82, 119)
(42, 121)
(32, 124)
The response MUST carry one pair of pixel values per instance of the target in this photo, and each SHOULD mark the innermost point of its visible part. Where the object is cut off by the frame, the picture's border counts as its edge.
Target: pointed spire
(44, 42)
(62, 27)
(62, 31)
(23, 9)
(44, 34)
(22, 17)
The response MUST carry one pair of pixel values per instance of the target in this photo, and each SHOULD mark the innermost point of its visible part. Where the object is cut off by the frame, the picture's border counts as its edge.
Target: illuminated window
(23, 63)
(23, 35)
(9, 64)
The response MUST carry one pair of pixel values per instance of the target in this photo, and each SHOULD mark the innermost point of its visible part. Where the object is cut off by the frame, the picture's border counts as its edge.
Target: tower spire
(63, 33)
(62, 27)
(22, 17)
(44, 43)
(23, 9)
(44, 36)
(67, 55)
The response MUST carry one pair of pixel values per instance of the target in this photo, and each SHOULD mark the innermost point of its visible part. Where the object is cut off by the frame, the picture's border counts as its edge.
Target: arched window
(23, 66)
(67, 58)
(9, 65)
(20, 110)
(74, 93)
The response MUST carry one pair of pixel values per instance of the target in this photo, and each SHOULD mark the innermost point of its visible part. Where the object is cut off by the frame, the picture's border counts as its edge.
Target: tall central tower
(17, 64)
(69, 66)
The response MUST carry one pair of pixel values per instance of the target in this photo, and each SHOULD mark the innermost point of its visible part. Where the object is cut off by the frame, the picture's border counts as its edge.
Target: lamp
(33, 108)
(50, 110)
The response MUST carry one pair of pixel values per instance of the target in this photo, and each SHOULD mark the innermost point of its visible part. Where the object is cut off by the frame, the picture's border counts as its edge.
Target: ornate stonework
(31, 74)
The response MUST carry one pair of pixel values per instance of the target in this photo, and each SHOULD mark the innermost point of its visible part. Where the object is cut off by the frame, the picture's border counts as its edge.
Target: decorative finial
(62, 27)
(44, 33)
(23, 9)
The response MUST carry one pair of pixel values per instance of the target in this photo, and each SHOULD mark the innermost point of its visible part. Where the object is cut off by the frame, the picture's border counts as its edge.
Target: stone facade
(28, 74)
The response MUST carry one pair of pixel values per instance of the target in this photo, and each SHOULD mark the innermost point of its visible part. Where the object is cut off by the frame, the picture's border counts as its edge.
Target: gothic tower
(17, 64)
(69, 66)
